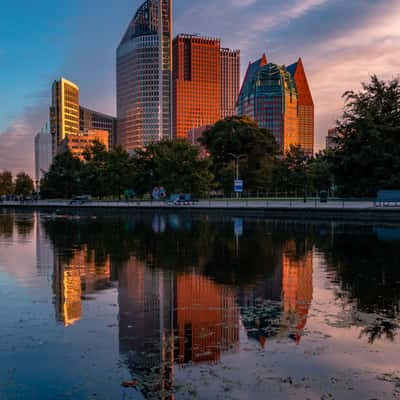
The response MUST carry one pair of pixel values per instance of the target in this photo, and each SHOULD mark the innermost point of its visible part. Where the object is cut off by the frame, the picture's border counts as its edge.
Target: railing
(216, 203)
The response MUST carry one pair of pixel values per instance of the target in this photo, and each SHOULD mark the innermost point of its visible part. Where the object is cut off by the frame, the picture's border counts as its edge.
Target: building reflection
(146, 325)
(207, 317)
(167, 318)
(278, 306)
(297, 288)
(75, 277)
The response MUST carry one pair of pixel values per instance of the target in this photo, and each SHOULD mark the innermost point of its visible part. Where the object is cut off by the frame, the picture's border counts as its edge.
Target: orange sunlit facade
(196, 83)
(305, 108)
(78, 143)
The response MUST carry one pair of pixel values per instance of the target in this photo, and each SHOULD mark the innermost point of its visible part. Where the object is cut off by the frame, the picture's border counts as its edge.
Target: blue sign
(238, 226)
(238, 186)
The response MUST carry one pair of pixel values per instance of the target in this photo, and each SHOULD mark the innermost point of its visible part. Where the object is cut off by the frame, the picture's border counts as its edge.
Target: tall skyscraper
(93, 120)
(269, 96)
(64, 110)
(306, 107)
(144, 76)
(43, 155)
(196, 83)
(230, 81)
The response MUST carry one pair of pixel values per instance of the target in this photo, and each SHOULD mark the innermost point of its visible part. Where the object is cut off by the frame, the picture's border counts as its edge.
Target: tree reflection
(265, 260)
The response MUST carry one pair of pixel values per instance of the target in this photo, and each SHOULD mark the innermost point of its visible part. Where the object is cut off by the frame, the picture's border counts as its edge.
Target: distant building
(77, 143)
(306, 107)
(43, 155)
(330, 141)
(89, 120)
(64, 111)
(144, 69)
(269, 96)
(230, 81)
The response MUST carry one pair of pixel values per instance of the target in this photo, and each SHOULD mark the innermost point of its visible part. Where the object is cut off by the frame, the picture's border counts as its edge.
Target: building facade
(230, 81)
(269, 96)
(330, 140)
(305, 106)
(144, 71)
(78, 143)
(64, 111)
(43, 155)
(93, 120)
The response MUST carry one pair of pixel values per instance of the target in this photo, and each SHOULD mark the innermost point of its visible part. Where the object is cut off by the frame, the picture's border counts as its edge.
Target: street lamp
(237, 157)
(305, 178)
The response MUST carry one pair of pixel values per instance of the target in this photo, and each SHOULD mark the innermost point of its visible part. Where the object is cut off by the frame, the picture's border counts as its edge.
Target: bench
(388, 198)
(182, 199)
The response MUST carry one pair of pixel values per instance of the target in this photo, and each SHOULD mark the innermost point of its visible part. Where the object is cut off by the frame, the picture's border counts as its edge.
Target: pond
(148, 305)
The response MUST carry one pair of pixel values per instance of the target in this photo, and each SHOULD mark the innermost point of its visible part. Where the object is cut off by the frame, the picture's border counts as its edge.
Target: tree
(175, 165)
(6, 183)
(93, 172)
(23, 184)
(119, 171)
(63, 179)
(368, 148)
(241, 136)
(320, 171)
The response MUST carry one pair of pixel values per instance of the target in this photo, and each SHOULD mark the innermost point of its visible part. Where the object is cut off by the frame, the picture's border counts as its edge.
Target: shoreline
(283, 209)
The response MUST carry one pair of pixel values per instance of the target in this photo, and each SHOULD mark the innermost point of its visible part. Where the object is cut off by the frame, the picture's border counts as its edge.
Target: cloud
(17, 141)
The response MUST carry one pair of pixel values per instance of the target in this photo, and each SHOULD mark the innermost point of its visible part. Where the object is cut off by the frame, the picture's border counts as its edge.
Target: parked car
(80, 199)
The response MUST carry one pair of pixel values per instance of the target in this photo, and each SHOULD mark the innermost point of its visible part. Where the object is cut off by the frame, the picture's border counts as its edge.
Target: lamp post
(237, 157)
(305, 178)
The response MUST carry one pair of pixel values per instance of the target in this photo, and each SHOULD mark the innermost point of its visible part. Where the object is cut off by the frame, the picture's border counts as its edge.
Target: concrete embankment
(312, 209)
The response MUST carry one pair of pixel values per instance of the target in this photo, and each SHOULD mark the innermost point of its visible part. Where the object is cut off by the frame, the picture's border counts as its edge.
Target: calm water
(197, 306)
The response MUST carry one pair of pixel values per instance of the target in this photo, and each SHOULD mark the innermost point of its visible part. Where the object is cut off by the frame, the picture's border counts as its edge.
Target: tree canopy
(241, 136)
(367, 157)
(6, 183)
(175, 165)
(23, 184)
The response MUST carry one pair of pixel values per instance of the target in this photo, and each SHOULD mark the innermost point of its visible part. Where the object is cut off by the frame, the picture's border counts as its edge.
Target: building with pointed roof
(279, 98)
(269, 96)
(306, 107)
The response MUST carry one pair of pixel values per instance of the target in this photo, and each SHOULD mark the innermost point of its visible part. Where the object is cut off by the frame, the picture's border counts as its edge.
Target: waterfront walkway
(209, 204)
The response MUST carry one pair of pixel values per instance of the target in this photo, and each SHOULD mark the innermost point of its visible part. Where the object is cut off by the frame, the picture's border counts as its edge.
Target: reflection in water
(74, 276)
(186, 284)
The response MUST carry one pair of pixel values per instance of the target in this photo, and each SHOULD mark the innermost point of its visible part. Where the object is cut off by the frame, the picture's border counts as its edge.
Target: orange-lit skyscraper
(196, 83)
(305, 106)
(205, 83)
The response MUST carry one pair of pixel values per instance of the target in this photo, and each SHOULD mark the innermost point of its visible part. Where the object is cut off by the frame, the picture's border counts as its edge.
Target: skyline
(338, 53)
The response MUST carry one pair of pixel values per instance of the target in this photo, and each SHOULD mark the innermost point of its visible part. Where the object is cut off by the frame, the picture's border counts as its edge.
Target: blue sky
(341, 42)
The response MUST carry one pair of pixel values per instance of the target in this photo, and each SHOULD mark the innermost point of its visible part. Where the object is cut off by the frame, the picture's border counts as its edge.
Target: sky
(341, 42)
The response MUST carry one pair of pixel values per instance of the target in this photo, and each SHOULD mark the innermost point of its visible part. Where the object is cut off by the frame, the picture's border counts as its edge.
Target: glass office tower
(144, 76)
(269, 96)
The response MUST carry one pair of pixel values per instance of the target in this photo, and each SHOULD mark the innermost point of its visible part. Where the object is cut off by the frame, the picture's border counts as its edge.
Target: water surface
(183, 306)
